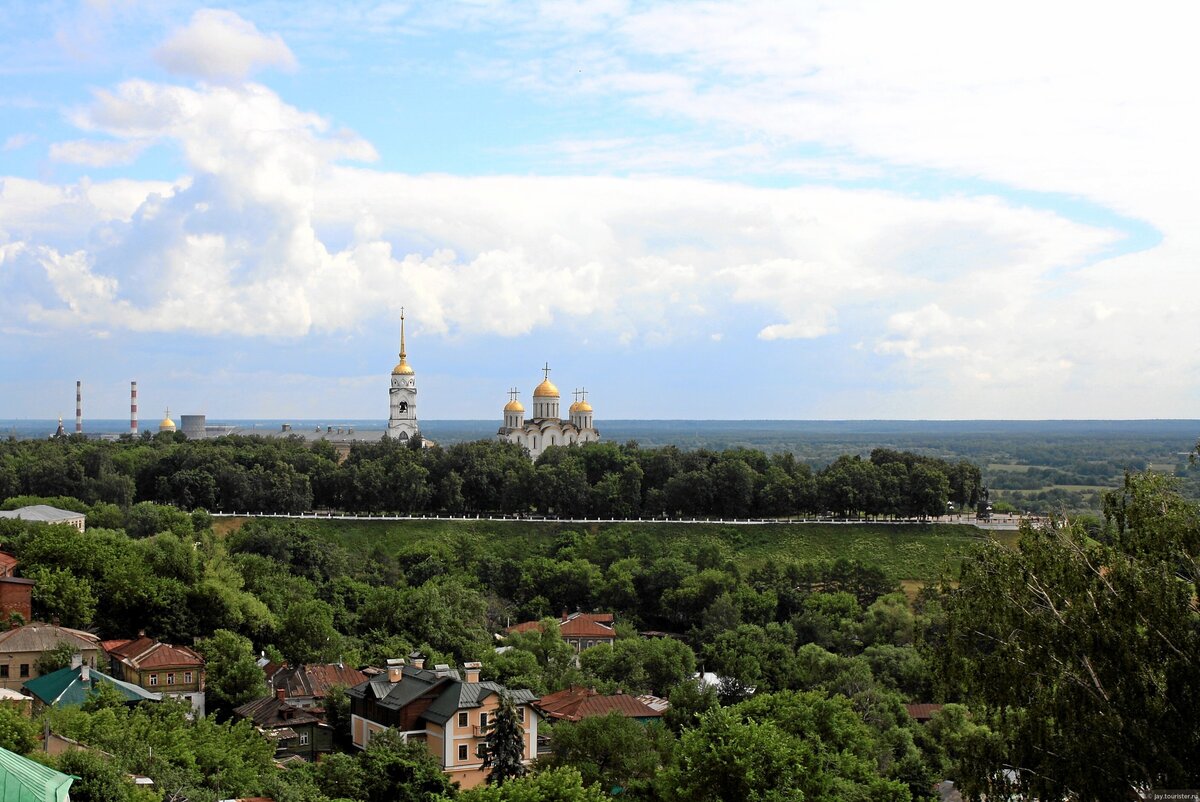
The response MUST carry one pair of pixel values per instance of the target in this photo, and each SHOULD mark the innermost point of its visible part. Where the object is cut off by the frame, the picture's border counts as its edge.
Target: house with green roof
(449, 711)
(24, 780)
(72, 686)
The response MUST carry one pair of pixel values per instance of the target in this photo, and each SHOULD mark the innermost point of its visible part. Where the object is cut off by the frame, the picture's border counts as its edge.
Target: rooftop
(42, 512)
(271, 713)
(450, 692)
(576, 625)
(23, 780)
(143, 652)
(575, 703)
(41, 637)
(312, 680)
(71, 686)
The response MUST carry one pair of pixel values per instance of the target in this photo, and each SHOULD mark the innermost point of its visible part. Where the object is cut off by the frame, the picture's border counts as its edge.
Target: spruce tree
(505, 743)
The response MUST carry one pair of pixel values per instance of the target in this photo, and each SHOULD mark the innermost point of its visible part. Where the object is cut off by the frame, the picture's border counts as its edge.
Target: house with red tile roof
(581, 630)
(923, 712)
(306, 686)
(159, 668)
(577, 703)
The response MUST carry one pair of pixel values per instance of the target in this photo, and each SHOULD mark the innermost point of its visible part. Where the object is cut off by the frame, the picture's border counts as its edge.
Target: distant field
(912, 552)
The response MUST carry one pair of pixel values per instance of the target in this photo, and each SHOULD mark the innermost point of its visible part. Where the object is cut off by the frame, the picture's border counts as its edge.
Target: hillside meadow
(905, 552)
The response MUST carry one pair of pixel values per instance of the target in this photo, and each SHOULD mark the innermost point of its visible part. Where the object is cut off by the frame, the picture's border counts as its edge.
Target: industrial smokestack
(78, 407)
(133, 408)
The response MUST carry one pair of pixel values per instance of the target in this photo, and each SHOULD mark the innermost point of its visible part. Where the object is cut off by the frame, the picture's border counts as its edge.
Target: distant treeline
(259, 474)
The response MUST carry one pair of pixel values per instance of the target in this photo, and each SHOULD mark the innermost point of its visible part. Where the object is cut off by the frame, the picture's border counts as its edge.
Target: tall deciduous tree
(232, 675)
(1086, 651)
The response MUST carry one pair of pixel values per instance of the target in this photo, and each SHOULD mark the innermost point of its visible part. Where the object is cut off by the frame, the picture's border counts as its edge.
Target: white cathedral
(545, 429)
(402, 419)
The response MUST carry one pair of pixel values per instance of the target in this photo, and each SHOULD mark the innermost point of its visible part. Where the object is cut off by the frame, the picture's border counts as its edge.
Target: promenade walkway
(995, 523)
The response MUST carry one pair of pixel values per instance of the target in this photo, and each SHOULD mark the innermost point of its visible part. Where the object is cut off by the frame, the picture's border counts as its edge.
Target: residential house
(16, 593)
(28, 781)
(71, 686)
(581, 630)
(449, 711)
(21, 647)
(174, 671)
(577, 703)
(923, 712)
(294, 731)
(306, 686)
(44, 513)
(15, 700)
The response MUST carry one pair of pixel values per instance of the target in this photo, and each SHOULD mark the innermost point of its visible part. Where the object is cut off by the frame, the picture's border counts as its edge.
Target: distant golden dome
(166, 424)
(546, 390)
(402, 368)
(581, 406)
(514, 406)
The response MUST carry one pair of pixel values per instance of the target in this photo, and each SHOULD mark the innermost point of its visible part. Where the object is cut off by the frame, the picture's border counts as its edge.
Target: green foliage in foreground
(1081, 653)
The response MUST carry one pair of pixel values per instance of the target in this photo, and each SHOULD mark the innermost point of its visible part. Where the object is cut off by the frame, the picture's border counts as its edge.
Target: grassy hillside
(904, 552)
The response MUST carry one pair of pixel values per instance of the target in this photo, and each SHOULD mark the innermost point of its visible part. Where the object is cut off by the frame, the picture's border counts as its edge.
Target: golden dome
(581, 406)
(514, 406)
(546, 390)
(166, 424)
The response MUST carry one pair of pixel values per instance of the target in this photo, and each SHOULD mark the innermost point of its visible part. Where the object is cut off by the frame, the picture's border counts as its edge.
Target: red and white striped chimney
(133, 408)
(78, 407)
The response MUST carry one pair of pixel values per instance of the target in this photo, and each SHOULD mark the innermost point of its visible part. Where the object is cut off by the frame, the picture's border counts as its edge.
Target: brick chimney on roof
(472, 671)
(395, 669)
(281, 694)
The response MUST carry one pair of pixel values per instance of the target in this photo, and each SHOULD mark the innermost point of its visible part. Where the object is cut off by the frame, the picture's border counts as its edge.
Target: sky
(732, 210)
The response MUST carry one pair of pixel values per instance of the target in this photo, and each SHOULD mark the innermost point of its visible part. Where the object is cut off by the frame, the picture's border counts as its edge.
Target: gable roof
(271, 712)
(922, 711)
(575, 703)
(23, 780)
(312, 680)
(575, 625)
(143, 652)
(67, 687)
(42, 637)
(44, 513)
(449, 693)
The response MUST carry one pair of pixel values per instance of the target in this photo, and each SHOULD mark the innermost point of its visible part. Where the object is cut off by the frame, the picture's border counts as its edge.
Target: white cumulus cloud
(218, 45)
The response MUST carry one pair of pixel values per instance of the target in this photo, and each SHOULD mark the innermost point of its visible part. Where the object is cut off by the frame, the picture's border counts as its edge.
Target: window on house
(462, 752)
(521, 714)
(4, 671)
(154, 679)
(462, 719)
(24, 669)
(187, 678)
(170, 679)
(483, 720)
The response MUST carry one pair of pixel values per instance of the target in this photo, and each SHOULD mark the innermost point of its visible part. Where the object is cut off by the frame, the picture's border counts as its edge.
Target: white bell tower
(402, 419)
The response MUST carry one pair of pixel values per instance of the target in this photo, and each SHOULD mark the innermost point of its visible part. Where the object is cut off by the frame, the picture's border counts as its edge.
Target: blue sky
(695, 210)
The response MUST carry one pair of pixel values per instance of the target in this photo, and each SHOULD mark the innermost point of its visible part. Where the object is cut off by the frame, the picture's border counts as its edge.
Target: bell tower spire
(402, 354)
(402, 418)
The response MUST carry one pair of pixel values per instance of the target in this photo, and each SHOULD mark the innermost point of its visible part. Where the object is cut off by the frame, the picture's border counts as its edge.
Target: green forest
(1065, 664)
(605, 480)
